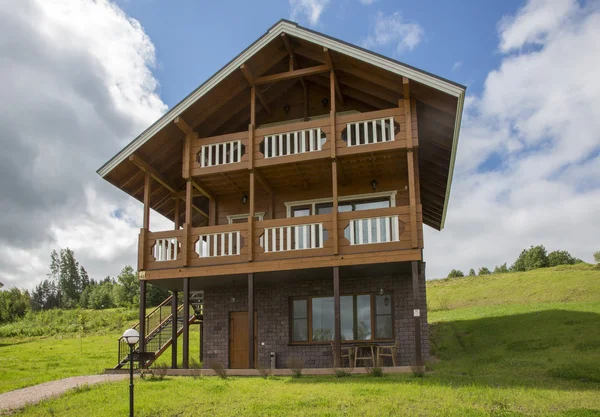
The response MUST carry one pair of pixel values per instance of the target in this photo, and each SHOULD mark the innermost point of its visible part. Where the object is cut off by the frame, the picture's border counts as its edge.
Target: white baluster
(313, 236)
(202, 161)
(321, 235)
(274, 238)
(209, 149)
(230, 236)
(217, 150)
(395, 236)
(289, 238)
(288, 151)
(319, 144)
(360, 232)
(280, 150)
(378, 230)
(311, 136)
(237, 243)
(239, 150)
(215, 247)
(392, 137)
(267, 240)
(374, 128)
(352, 223)
(304, 236)
(348, 134)
(222, 235)
(369, 234)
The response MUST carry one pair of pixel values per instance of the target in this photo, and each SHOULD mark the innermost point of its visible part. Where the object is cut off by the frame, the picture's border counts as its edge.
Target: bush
(14, 303)
(342, 373)
(597, 257)
(471, 272)
(219, 369)
(532, 258)
(296, 365)
(560, 257)
(264, 371)
(455, 273)
(375, 371)
(484, 271)
(502, 269)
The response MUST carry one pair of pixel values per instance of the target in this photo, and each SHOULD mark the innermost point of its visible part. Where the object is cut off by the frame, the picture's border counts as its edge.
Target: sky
(81, 78)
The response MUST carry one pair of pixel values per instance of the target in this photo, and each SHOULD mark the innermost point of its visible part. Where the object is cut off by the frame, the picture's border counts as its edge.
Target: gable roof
(440, 84)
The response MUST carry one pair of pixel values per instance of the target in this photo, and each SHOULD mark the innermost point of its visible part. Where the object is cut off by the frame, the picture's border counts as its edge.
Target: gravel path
(19, 398)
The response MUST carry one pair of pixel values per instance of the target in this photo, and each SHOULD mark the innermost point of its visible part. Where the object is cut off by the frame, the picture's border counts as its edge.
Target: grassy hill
(520, 344)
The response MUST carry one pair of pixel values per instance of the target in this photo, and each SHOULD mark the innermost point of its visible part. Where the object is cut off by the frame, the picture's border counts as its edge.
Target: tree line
(68, 286)
(532, 258)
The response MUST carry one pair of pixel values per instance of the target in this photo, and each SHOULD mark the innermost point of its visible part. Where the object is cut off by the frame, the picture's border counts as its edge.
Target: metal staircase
(159, 329)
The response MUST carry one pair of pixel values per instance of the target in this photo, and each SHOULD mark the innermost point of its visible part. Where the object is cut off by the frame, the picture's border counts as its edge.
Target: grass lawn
(538, 355)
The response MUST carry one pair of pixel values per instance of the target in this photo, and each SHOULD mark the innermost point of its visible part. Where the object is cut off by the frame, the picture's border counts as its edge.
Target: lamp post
(131, 337)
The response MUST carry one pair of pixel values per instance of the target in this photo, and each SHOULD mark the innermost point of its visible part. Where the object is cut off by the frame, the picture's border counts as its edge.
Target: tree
(597, 257)
(471, 272)
(14, 303)
(484, 271)
(560, 257)
(45, 296)
(502, 269)
(156, 295)
(455, 273)
(102, 295)
(532, 258)
(127, 292)
(70, 281)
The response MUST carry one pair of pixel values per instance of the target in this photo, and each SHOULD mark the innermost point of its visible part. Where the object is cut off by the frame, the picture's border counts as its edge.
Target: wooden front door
(238, 339)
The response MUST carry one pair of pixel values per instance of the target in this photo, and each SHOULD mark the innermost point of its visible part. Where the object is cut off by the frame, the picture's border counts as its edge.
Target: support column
(174, 331)
(337, 338)
(142, 342)
(202, 340)
(251, 213)
(334, 209)
(147, 190)
(417, 312)
(186, 324)
(251, 324)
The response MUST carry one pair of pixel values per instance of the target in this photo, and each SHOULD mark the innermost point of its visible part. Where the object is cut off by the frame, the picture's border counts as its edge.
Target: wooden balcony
(364, 237)
(378, 131)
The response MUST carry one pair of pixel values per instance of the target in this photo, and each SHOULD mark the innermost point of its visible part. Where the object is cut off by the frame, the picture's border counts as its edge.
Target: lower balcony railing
(366, 231)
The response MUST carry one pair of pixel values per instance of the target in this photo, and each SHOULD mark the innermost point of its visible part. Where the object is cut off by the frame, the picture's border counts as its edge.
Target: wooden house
(298, 179)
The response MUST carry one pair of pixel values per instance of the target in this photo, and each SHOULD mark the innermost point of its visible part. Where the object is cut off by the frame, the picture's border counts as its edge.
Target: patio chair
(345, 352)
(389, 351)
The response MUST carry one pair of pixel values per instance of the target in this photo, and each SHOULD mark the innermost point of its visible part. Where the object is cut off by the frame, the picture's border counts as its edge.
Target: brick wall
(272, 306)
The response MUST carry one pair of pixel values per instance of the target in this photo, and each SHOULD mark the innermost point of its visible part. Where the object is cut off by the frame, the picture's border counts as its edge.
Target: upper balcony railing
(368, 231)
(299, 141)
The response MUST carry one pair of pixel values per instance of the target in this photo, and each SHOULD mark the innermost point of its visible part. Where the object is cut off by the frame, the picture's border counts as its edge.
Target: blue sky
(195, 39)
(528, 159)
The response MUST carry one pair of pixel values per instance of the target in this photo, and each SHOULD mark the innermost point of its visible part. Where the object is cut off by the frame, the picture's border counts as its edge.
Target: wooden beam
(332, 129)
(334, 209)
(203, 190)
(147, 185)
(337, 337)
(263, 181)
(293, 60)
(142, 320)
(148, 169)
(251, 219)
(176, 216)
(318, 69)
(185, 351)
(407, 112)
(174, 330)
(329, 63)
(248, 75)
(417, 312)
(188, 203)
(184, 126)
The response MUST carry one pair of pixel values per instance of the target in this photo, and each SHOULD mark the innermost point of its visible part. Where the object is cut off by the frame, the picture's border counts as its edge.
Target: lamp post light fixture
(131, 337)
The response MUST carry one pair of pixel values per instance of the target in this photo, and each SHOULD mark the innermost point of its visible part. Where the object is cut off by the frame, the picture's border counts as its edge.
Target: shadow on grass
(557, 349)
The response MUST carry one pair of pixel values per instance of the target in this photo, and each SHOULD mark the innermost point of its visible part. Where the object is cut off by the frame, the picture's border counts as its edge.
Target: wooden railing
(295, 142)
(377, 230)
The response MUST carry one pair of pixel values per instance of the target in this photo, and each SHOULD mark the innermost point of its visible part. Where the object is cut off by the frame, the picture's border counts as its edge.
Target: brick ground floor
(272, 305)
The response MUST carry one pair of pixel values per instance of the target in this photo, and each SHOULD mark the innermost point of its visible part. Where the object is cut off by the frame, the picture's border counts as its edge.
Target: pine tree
(70, 281)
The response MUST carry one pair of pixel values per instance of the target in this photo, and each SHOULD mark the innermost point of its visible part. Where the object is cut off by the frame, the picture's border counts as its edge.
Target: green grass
(532, 348)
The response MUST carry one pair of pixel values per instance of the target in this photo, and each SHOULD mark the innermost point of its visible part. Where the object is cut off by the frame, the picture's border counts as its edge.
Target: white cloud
(76, 85)
(367, 2)
(392, 30)
(457, 65)
(310, 10)
(537, 124)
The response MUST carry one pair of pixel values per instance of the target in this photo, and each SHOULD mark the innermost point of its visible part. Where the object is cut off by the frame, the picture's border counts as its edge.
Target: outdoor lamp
(131, 337)
(374, 185)
(244, 199)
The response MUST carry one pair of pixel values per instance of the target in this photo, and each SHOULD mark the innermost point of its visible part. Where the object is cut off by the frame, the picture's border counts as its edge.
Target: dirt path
(19, 398)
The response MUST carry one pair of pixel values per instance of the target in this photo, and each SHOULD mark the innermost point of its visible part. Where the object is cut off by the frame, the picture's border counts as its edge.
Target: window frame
(260, 216)
(309, 299)
(290, 205)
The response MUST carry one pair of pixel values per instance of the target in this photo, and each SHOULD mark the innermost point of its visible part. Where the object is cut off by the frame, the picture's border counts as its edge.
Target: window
(313, 318)
(345, 203)
(243, 218)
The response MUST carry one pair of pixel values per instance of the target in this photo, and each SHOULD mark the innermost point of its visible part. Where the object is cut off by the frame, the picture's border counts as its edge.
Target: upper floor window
(345, 203)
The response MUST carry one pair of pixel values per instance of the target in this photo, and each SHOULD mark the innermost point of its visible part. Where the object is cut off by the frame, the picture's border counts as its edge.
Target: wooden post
(410, 159)
(188, 222)
(177, 214)
(174, 331)
(212, 212)
(147, 184)
(251, 321)
(337, 338)
(186, 324)
(202, 340)
(332, 133)
(417, 312)
(334, 209)
(142, 342)
(251, 219)
(305, 91)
